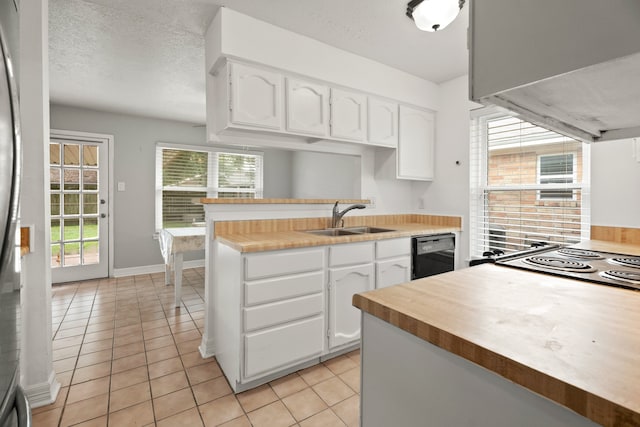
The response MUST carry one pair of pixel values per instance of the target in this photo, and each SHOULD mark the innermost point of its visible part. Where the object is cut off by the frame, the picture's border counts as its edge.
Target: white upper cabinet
(307, 106)
(255, 97)
(415, 144)
(348, 115)
(382, 122)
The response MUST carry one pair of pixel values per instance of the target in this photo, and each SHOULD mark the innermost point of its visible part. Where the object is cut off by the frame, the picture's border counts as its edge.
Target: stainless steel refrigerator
(14, 408)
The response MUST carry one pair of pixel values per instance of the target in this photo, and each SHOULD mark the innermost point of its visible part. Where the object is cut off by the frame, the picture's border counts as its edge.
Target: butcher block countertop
(573, 342)
(268, 241)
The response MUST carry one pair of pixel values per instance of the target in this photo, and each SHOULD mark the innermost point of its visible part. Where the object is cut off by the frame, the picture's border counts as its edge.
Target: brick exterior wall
(521, 217)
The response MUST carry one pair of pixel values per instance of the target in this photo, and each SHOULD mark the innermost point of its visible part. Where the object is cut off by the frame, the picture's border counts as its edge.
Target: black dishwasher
(433, 254)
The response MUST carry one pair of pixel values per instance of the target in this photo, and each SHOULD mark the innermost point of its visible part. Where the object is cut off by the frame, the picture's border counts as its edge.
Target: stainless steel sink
(364, 230)
(350, 231)
(332, 232)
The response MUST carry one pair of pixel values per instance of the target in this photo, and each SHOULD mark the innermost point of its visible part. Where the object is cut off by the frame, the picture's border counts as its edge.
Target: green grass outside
(71, 233)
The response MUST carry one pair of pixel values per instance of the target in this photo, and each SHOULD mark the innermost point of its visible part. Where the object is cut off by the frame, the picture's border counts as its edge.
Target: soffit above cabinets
(571, 66)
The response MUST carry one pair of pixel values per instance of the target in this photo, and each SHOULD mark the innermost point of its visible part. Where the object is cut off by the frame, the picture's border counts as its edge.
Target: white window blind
(187, 173)
(528, 184)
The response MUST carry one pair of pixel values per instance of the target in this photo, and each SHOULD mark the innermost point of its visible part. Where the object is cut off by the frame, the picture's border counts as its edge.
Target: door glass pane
(54, 154)
(90, 155)
(55, 255)
(54, 178)
(90, 206)
(71, 254)
(55, 230)
(55, 204)
(71, 155)
(90, 252)
(89, 180)
(90, 228)
(71, 179)
(71, 204)
(71, 229)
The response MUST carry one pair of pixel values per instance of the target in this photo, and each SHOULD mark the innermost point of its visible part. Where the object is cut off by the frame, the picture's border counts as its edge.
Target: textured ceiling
(146, 57)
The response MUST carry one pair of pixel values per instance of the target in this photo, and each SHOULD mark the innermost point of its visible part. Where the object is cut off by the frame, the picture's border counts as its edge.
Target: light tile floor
(126, 357)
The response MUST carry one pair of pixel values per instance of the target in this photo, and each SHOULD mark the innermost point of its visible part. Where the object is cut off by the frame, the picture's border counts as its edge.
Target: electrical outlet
(421, 203)
(372, 201)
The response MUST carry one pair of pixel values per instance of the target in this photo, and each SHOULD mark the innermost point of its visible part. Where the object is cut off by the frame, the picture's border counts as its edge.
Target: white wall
(448, 194)
(615, 182)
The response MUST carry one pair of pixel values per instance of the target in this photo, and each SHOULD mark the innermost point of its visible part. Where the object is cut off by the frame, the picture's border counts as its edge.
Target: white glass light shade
(432, 15)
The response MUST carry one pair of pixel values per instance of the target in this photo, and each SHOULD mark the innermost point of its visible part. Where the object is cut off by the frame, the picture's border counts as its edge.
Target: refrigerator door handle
(22, 408)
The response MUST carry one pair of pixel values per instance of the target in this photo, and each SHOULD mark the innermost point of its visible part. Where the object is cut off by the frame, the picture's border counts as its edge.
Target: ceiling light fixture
(433, 15)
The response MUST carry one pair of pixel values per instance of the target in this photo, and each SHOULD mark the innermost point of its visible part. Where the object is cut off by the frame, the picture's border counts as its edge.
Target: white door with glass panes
(78, 174)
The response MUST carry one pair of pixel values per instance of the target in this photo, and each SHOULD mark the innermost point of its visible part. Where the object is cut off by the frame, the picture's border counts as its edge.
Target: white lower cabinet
(393, 272)
(344, 318)
(279, 347)
(393, 262)
(278, 311)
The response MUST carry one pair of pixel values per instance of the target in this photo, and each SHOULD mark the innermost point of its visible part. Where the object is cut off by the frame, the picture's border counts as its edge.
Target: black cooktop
(591, 266)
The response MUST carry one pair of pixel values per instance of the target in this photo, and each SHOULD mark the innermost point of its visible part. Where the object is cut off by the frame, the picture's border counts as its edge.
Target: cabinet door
(344, 318)
(307, 107)
(276, 348)
(393, 272)
(255, 97)
(382, 122)
(415, 144)
(348, 115)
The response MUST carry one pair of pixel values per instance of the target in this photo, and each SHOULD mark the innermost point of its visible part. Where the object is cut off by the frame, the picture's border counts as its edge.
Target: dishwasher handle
(439, 243)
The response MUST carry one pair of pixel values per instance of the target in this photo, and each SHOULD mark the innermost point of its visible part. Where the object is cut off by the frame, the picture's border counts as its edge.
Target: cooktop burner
(579, 253)
(625, 276)
(591, 266)
(626, 261)
(557, 263)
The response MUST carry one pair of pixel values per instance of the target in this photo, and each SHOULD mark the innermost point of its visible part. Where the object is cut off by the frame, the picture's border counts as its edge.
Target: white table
(174, 242)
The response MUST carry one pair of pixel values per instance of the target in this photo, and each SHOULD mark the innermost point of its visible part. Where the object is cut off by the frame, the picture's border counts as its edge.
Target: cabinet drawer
(282, 311)
(282, 346)
(282, 262)
(393, 248)
(278, 288)
(350, 254)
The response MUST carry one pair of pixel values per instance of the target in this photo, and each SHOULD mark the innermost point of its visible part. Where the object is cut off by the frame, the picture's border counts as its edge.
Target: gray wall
(134, 164)
(326, 175)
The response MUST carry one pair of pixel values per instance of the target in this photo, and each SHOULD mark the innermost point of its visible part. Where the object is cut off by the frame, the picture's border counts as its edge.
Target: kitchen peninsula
(495, 346)
(278, 298)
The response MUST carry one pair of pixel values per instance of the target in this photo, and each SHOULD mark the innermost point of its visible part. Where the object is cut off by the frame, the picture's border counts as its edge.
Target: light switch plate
(121, 186)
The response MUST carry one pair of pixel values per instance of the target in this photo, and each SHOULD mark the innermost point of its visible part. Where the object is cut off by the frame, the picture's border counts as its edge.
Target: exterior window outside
(184, 174)
(528, 184)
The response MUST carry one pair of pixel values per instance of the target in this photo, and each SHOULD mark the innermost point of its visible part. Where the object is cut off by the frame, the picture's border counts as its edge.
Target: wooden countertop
(238, 201)
(573, 342)
(267, 241)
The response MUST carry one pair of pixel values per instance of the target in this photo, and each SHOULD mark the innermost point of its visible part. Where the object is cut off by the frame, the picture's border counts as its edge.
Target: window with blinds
(187, 173)
(528, 184)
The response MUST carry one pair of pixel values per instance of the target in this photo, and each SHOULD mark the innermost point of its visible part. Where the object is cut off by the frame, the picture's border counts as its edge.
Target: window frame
(211, 189)
(573, 175)
(480, 189)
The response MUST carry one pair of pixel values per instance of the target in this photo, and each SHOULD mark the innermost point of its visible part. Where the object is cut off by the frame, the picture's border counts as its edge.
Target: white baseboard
(43, 394)
(149, 269)
(206, 347)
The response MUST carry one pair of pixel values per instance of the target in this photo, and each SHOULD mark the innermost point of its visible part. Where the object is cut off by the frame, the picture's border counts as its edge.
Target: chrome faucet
(337, 215)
